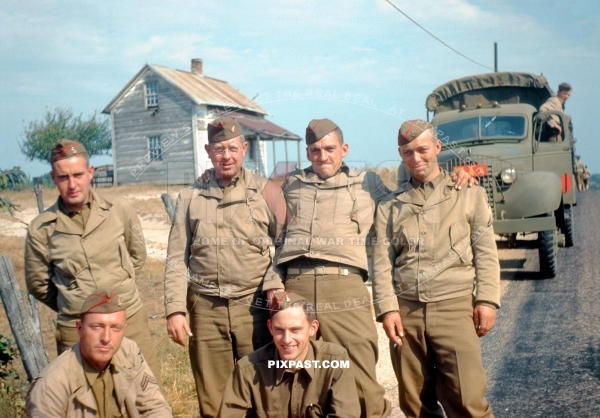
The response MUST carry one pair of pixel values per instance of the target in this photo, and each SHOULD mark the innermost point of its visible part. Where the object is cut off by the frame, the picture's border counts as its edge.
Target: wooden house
(159, 122)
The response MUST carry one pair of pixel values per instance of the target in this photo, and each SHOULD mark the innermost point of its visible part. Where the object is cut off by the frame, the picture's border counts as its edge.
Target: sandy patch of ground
(17, 225)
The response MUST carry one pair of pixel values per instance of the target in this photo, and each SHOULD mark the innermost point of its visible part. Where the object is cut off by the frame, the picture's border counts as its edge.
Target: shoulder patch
(140, 356)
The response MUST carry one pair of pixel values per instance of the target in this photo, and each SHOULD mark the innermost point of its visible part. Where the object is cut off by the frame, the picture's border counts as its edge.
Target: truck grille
(489, 178)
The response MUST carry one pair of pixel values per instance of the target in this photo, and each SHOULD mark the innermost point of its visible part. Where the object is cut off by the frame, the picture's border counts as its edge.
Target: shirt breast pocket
(68, 270)
(460, 242)
(405, 242)
(126, 262)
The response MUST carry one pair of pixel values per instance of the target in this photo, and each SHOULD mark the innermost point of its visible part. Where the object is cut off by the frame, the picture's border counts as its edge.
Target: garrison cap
(283, 300)
(411, 130)
(317, 129)
(223, 128)
(102, 301)
(564, 87)
(65, 148)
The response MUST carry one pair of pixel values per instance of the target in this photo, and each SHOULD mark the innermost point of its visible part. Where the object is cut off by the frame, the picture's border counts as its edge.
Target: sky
(360, 63)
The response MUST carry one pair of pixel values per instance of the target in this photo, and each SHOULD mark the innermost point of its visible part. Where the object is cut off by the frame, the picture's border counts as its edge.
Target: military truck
(489, 125)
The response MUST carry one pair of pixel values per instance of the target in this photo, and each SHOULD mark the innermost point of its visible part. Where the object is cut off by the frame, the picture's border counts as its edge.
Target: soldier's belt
(321, 271)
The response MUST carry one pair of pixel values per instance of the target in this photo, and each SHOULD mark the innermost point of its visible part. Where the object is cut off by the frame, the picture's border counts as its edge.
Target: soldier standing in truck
(556, 103)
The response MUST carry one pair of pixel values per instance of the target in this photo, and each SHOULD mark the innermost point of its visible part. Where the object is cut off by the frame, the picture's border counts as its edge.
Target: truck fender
(532, 194)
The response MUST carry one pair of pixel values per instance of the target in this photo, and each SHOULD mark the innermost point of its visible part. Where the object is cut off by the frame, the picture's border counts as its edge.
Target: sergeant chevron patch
(146, 380)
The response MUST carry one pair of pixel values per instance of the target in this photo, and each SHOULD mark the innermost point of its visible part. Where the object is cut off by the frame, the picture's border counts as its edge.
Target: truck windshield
(483, 127)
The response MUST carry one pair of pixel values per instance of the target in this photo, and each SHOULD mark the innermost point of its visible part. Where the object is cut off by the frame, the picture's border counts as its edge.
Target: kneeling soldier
(103, 375)
(294, 375)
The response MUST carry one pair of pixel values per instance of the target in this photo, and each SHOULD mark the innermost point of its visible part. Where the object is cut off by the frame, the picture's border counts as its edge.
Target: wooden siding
(134, 123)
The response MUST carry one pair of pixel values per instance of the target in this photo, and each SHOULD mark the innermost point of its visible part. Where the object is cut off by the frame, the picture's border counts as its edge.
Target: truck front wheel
(547, 246)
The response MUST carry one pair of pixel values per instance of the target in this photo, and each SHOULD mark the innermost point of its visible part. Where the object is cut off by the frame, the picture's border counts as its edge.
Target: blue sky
(372, 67)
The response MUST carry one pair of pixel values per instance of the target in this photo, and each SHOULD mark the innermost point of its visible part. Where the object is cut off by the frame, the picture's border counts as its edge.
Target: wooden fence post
(169, 206)
(25, 326)
(38, 188)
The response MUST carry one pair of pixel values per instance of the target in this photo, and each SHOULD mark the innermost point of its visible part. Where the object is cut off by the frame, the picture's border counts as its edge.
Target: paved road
(543, 358)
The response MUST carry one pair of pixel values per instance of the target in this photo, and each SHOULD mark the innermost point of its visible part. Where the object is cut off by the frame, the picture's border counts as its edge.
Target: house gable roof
(201, 90)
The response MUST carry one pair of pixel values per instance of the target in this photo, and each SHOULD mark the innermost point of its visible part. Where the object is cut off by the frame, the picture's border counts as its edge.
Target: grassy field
(178, 383)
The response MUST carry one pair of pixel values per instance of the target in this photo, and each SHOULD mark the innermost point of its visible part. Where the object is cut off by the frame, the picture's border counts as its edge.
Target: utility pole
(495, 57)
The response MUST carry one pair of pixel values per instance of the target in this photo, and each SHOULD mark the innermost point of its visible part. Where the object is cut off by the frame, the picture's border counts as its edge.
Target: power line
(435, 37)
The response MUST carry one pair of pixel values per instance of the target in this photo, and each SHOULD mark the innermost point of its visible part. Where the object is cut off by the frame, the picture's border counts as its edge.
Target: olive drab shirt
(224, 238)
(259, 389)
(65, 263)
(331, 219)
(63, 390)
(435, 249)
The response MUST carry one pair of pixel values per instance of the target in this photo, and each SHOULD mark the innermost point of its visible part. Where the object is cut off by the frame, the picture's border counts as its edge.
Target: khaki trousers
(440, 360)
(224, 331)
(343, 306)
(137, 330)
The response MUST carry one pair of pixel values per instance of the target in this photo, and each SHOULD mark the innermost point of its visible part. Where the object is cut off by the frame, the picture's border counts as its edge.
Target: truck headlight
(508, 175)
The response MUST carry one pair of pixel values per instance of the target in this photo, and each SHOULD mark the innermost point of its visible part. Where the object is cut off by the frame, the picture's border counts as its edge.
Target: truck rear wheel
(547, 249)
(568, 226)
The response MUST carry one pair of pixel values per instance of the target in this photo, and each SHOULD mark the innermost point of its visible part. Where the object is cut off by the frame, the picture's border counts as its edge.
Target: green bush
(11, 397)
(8, 353)
(13, 179)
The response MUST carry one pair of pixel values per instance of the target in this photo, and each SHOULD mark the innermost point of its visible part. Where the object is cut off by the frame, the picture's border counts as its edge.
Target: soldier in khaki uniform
(83, 242)
(580, 169)
(436, 283)
(221, 235)
(587, 174)
(103, 375)
(294, 376)
(322, 252)
(557, 102)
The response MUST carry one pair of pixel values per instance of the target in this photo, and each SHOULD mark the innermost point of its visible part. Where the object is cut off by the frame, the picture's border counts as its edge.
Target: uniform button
(220, 226)
(316, 219)
(421, 292)
(423, 232)
(312, 253)
(91, 259)
(423, 251)
(421, 271)
(422, 213)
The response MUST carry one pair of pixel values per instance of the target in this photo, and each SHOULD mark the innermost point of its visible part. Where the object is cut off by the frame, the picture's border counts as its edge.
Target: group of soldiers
(266, 284)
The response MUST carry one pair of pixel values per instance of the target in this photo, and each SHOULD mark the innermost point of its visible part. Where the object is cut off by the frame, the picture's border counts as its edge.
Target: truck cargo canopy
(484, 89)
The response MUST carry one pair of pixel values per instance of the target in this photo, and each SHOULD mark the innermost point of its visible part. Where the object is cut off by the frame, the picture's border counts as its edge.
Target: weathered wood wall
(134, 123)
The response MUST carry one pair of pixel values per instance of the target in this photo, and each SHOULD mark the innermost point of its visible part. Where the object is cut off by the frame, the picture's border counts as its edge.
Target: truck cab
(490, 126)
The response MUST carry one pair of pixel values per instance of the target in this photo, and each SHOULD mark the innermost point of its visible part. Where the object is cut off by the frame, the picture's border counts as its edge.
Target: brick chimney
(197, 66)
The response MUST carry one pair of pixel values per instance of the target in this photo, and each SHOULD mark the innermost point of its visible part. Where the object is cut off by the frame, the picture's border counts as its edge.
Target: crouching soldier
(294, 375)
(103, 375)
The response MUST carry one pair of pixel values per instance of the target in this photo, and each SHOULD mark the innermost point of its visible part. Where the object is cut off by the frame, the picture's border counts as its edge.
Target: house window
(151, 94)
(155, 148)
(251, 153)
